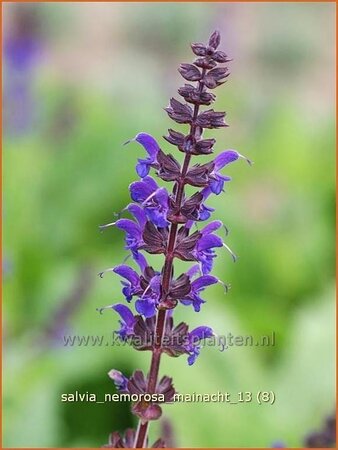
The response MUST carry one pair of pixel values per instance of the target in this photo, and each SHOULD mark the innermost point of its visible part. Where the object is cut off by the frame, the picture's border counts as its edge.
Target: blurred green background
(79, 80)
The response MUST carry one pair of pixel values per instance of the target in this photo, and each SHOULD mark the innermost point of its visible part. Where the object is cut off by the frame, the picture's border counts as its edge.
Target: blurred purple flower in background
(23, 43)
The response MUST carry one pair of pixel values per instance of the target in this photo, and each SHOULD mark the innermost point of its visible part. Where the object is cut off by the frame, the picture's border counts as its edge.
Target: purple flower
(128, 319)
(141, 261)
(147, 286)
(133, 238)
(193, 346)
(204, 251)
(152, 148)
(198, 286)
(140, 191)
(132, 285)
(205, 211)
(138, 212)
(278, 444)
(154, 199)
(21, 53)
(119, 379)
(217, 180)
(133, 230)
(211, 227)
(146, 305)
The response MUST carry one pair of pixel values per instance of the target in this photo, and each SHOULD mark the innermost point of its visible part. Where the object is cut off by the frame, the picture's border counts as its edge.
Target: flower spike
(166, 222)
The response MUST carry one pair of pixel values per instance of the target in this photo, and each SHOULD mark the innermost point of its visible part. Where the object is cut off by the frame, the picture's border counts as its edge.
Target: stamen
(246, 159)
(126, 258)
(225, 286)
(150, 196)
(100, 274)
(226, 229)
(234, 257)
(100, 310)
(146, 290)
(129, 141)
(103, 227)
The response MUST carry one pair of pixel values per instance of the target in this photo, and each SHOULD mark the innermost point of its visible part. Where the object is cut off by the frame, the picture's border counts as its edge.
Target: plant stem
(141, 434)
(142, 429)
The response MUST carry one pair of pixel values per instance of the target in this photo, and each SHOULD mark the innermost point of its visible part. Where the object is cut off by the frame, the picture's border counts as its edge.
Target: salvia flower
(154, 199)
(217, 180)
(127, 320)
(132, 284)
(133, 229)
(146, 304)
(197, 286)
(163, 223)
(120, 381)
(204, 252)
(195, 336)
(152, 148)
